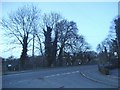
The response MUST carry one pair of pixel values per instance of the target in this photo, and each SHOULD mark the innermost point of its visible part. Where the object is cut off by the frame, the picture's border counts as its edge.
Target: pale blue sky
(93, 18)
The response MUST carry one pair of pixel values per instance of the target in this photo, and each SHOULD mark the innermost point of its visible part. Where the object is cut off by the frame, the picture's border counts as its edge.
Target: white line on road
(57, 74)
(21, 81)
(62, 74)
(69, 73)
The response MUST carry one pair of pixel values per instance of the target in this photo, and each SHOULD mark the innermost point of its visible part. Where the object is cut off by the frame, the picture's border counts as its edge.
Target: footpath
(94, 75)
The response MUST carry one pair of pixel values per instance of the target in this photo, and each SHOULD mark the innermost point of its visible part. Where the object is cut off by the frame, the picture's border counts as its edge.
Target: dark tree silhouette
(50, 26)
(48, 45)
(19, 25)
(54, 46)
(117, 28)
(67, 30)
(110, 47)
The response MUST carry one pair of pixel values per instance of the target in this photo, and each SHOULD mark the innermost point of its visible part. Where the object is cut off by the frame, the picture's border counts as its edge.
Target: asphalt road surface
(68, 77)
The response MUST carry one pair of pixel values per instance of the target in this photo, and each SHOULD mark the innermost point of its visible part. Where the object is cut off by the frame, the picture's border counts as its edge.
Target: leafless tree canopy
(20, 25)
(54, 36)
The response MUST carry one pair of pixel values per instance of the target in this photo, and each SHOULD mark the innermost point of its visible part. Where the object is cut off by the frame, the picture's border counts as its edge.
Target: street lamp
(115, 54)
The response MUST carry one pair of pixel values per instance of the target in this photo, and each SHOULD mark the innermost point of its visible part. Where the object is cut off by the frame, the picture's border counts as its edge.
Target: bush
(104, 70)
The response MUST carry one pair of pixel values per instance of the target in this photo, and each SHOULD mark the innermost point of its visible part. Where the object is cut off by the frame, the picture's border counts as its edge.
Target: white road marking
(53, 75)
(47, 76)
(73, 72)
(68, 72)
(77, 71)
(21, 81)
(57, 74)
(62, 74)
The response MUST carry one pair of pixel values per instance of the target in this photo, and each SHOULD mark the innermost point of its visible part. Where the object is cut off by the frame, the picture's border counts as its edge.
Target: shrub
(104, 70)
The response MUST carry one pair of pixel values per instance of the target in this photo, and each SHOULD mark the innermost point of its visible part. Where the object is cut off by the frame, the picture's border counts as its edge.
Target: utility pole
(33, 45)
(33, 48)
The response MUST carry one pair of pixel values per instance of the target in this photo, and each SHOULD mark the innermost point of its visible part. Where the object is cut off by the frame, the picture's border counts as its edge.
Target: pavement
(94, 75)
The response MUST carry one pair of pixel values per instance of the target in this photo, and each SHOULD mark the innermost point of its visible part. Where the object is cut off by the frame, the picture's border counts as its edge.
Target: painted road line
(63, 74)
(57, 74)
(21, 81)
(75, 72)
(60, 74)
(68, 73)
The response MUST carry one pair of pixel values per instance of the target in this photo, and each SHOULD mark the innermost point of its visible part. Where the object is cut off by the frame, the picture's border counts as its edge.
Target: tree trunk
(60, 61)
(48, 46)
(55, 48)
(33, 61)
(23, 57)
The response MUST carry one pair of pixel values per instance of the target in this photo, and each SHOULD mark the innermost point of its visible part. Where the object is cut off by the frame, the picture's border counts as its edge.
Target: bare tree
(78, 48)
(67, 31)
(99, 48)
(50, 21)
(20, 25)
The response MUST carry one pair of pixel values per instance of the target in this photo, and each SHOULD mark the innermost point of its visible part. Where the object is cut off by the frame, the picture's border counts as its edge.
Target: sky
(93, 19)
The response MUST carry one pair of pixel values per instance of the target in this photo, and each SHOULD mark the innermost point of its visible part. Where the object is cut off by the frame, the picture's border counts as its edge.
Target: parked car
(12, 67)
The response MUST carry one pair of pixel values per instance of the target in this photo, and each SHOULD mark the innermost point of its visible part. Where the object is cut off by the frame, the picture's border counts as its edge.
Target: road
(68, 77)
